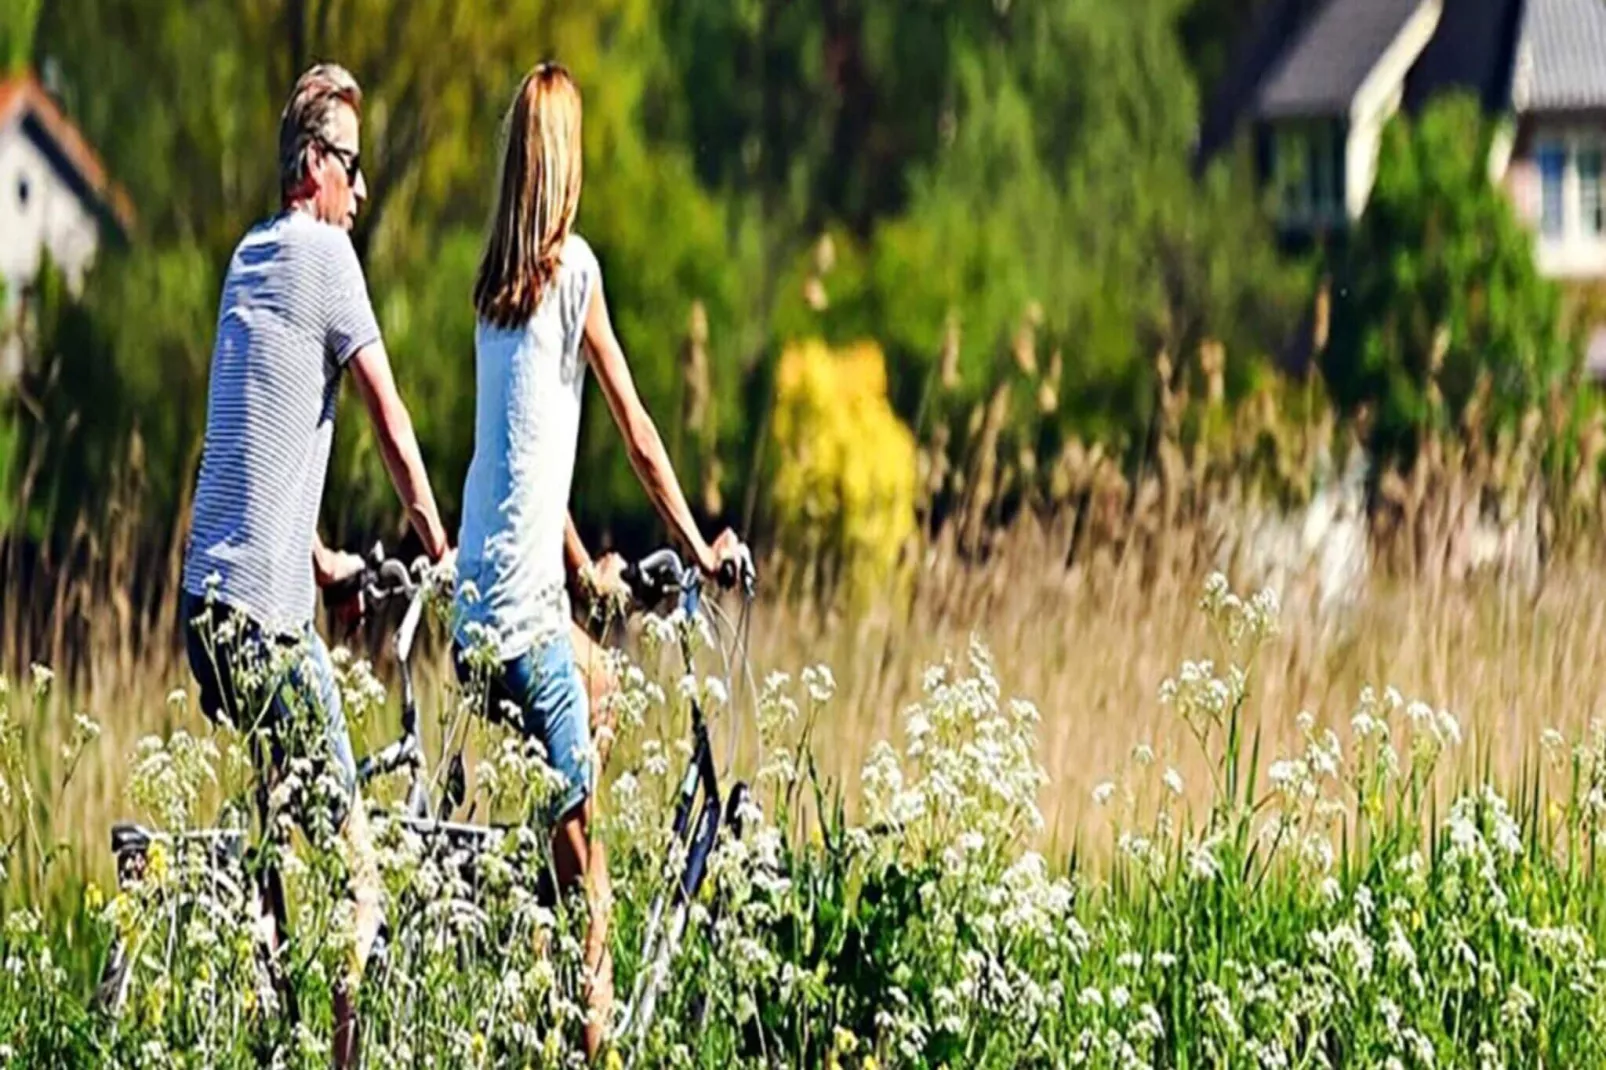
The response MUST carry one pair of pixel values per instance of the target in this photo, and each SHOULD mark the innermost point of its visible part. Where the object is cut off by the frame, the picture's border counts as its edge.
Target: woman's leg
(578, 856)
(600, 684)
(562, 722)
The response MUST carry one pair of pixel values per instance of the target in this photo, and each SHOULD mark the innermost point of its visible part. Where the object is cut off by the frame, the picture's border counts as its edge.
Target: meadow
(1056, 792)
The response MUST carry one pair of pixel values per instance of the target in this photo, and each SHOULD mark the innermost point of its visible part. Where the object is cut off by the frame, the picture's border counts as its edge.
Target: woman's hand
(604, 579)
(727, 559)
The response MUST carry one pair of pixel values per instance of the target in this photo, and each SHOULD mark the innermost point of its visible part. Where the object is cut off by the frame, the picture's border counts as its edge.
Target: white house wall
(53, 217)
(1378, 99)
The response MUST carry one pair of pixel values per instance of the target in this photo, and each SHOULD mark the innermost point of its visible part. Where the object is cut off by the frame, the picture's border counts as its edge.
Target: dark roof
(1332, 56)
(1308, 57)
(1561, 56)
(1274, 23)
(1472, 50)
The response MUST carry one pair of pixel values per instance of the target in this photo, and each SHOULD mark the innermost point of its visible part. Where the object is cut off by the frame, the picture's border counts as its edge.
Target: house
(55, 196)
(1316, 80)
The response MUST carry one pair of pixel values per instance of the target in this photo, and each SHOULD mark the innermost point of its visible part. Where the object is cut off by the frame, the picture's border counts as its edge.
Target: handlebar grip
(391, 577)
(738, 570)
(655, 575)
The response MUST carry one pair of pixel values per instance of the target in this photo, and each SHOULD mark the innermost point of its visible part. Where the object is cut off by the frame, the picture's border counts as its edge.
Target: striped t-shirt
(294, 309)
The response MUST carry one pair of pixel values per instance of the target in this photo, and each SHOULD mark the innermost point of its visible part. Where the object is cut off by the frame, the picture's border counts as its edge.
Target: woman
(541, 317)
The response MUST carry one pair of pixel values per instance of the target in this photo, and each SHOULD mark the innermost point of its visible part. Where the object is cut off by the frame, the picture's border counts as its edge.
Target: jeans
(251, 680)
(541, 692)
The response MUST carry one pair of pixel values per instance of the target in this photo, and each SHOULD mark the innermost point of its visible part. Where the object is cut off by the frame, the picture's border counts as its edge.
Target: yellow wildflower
(156, 862)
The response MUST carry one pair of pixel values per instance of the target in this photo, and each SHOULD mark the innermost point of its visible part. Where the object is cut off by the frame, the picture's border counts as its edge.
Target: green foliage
(972, 163)
(1438, 291)
(1348, 902)
(120, 378)
(19, 21)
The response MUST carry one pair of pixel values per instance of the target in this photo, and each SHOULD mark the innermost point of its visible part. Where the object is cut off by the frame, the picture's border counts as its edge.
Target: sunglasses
(351, 161)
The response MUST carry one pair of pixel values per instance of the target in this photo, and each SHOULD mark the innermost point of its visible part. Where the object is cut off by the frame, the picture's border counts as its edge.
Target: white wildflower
(819, 682)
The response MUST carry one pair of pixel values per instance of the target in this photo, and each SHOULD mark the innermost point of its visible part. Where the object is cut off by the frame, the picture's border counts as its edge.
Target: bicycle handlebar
(652, 581)
(381, 579)
(662, 573)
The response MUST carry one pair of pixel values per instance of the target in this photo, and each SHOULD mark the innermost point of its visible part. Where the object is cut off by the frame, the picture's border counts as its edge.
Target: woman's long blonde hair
(537, 199)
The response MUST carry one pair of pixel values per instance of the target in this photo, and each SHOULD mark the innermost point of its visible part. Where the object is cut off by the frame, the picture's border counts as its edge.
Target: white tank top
(528, 382)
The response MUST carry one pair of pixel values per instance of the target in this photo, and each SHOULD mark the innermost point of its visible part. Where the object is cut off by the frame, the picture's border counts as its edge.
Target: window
(1308, 166)
(22, 191)
(1552, 160)
(1591, 207)
(1572, 202)
(1293, 152)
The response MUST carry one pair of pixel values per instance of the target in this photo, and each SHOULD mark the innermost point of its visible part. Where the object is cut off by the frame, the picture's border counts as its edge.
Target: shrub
(1438, 290)
(845, 480)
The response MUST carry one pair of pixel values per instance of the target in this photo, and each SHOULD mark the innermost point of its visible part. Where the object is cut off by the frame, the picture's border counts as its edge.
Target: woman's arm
(575, 555)
(646, 448)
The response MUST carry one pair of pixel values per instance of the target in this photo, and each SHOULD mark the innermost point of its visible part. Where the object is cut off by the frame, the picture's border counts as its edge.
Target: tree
(183, 103)
(979, 166)
(19, 19)
(1438, 289)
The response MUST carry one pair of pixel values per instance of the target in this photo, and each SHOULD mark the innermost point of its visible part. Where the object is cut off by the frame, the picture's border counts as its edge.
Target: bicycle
(229, 864)
(658, 580)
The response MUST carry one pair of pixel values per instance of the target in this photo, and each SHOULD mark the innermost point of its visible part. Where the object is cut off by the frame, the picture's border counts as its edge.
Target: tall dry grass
(1472, 581)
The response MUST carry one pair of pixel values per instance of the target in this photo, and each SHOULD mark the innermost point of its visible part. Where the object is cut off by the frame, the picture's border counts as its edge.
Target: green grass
(1383, 893)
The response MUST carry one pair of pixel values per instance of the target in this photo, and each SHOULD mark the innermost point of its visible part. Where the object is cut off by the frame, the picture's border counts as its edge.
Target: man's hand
(335, 567)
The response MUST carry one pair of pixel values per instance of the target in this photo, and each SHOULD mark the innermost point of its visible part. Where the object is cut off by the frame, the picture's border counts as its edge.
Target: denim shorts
(305, 678)
(550, 705)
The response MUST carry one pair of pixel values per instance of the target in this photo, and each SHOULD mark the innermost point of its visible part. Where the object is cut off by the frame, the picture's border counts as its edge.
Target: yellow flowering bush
(844, 484)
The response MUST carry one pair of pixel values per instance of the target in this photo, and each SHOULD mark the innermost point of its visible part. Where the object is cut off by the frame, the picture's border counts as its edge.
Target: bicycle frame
(698, 842)
(131, 842)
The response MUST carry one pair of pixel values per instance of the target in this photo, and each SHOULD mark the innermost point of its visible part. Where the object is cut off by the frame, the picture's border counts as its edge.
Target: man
(293, 317)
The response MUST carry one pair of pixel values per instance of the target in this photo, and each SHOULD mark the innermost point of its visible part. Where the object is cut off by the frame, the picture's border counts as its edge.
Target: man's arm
(322, 565)
(398, 445)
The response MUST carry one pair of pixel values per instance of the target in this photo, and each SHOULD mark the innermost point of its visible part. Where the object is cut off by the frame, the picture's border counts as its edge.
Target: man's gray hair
(309, 116)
